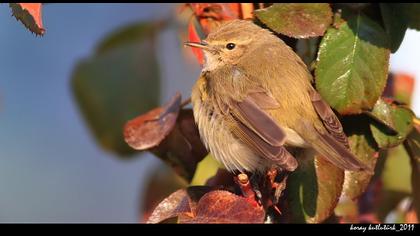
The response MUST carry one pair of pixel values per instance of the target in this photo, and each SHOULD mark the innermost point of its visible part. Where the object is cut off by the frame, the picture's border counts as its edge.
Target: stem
(243, 181)
(185, 102)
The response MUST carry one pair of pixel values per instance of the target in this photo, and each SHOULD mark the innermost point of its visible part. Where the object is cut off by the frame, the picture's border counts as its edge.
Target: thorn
(277, 209)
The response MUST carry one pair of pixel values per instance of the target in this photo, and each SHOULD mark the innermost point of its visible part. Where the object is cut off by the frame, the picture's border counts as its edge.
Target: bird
(254, 100)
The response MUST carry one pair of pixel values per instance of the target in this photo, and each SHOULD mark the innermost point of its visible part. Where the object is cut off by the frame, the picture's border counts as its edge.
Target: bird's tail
(334, 151)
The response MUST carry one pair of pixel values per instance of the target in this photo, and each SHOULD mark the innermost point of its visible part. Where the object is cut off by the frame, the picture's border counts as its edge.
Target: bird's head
(228, 43)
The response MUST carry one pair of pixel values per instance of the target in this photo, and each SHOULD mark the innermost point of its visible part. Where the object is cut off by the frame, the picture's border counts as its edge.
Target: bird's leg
(250, 187)
(271, 190)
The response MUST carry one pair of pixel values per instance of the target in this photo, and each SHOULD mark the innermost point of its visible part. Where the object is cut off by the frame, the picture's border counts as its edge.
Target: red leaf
(169, 133)
(30, 14)
(210, 15)
(183, 201)
(217, 11)
(189, 131)
(182, 149)
(148, 130)
(161, 183)
(411, 217)
(224, 207)
(297, 20)
(171, 206)
(198, 204)
(247, 10)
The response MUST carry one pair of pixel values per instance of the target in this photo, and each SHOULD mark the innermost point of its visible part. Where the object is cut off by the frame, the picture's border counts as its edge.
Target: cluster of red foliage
(210, 15)
(30, 14)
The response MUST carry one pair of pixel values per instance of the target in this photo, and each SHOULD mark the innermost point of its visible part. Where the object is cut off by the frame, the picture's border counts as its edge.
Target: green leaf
(395, 178)
(412, 145)
(388, 201)
(355, 183)
(130, 34)
(394, 23)
(399, 118)
(381, 113)
(114, 87)
(206, 169)
(297, 20)
(352, 66)
(411, 14)
(397, 171)
(364, 148)
(313, 189)
(307, 49)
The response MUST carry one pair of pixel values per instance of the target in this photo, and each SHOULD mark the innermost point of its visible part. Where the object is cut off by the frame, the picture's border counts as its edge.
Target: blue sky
(51, 169)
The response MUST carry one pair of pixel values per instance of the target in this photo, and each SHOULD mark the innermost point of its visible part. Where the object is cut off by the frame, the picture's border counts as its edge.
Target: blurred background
(51, 167)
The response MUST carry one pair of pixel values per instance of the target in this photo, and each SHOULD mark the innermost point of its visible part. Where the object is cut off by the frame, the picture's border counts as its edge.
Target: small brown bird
(254, 98)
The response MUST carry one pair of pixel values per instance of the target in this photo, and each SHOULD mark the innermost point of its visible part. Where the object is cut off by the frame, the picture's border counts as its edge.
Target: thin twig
(185, 102)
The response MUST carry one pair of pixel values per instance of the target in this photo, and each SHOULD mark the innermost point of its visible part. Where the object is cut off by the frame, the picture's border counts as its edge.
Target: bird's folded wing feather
(328, 118)
(255, 127)
(332, 145)
(251, 124)
(331, 149)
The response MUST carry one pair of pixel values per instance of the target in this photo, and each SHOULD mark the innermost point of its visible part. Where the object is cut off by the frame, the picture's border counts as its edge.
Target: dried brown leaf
(148, 130)
(182, 148)
(183, 202)
(224, 207)
(298, 20)
(171, 206)
(160, 184)
(169, 133)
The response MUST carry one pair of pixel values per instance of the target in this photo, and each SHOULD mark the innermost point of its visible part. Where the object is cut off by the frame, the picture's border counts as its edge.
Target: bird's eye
(230, 46)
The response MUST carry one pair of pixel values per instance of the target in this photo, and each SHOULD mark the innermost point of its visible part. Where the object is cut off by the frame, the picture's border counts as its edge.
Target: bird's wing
(252, 125)
(256, 128)
(329, 119)
(331, 149)
(333, 145)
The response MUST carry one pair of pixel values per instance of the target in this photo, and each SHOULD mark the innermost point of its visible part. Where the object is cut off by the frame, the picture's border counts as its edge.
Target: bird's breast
(294, 139)
(219, 140)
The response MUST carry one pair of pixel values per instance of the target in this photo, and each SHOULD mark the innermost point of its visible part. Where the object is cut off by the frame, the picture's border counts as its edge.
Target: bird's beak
(202, 45)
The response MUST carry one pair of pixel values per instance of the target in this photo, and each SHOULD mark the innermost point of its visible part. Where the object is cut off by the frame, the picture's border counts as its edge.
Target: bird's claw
(271, 190)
